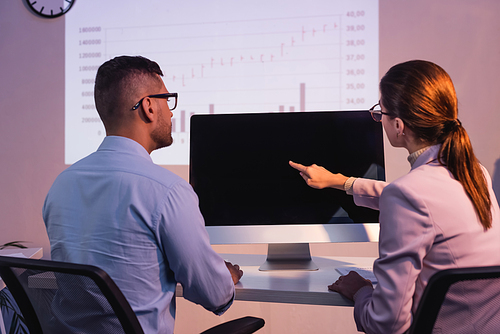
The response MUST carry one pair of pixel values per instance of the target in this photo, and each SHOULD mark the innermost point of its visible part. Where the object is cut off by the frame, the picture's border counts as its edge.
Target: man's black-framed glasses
(376, 112)
(171, 100)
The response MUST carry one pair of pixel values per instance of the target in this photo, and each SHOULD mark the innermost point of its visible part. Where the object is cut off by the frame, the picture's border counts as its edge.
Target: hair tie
(451, 126)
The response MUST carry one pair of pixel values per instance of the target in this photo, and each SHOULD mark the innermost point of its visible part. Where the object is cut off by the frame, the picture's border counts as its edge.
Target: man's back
(141, 224)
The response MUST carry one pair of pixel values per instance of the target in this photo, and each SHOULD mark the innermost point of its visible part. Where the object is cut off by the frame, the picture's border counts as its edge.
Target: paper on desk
(16, 255)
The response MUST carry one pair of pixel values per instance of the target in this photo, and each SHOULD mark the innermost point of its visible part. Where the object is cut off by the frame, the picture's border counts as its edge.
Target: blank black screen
(239, 166)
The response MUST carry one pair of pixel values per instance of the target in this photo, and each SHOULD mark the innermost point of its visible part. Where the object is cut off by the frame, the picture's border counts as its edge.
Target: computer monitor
(248, 193)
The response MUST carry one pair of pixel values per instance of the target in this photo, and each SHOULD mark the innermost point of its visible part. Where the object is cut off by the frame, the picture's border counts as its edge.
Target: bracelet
(348, 185)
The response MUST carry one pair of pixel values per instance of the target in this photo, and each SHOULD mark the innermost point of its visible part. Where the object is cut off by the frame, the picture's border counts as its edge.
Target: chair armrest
(245, 325)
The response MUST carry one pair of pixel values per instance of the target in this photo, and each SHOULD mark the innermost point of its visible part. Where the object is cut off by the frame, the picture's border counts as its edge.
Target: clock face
(50, 8)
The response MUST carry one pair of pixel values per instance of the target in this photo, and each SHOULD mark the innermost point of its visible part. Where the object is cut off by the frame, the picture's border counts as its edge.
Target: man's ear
(148, 109)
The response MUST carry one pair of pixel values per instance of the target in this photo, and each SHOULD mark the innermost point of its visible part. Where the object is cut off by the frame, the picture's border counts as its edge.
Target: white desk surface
(33, 253)
(294, 287)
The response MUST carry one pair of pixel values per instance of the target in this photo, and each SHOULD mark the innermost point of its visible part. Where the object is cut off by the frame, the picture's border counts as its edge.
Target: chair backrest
(462, 300)
(59, 297)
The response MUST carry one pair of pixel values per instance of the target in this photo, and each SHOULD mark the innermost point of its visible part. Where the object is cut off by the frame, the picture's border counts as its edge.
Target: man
(139, 222)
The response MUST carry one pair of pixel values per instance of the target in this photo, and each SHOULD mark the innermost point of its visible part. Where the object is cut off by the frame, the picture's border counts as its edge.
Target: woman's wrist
(338, 181)
(362, 290)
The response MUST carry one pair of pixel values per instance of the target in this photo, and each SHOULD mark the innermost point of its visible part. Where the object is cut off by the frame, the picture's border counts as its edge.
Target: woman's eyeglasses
(376, 112)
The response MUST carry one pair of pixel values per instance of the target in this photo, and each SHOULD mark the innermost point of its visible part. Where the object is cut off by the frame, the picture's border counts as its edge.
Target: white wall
(460, 35)
(31, 132)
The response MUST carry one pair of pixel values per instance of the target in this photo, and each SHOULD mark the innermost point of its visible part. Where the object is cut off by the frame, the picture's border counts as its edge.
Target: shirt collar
(124, 144)
(427, 155)
(414, 156)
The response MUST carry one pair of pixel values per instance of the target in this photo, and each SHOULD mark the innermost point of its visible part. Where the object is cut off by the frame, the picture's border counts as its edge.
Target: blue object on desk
(13, 320)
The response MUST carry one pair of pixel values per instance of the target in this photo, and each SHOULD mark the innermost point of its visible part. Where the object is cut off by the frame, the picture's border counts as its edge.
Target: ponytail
(457, 155)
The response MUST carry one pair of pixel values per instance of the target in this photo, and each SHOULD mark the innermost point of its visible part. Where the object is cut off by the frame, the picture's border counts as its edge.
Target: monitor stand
(288, 257)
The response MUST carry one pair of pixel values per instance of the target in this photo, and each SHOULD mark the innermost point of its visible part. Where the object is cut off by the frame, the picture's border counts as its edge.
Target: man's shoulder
(122, 165)
(161, 175)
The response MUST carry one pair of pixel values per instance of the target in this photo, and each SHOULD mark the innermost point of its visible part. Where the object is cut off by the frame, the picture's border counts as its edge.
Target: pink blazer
(427, 224)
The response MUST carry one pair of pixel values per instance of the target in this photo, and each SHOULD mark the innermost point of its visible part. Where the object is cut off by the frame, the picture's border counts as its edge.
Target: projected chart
(224, 57)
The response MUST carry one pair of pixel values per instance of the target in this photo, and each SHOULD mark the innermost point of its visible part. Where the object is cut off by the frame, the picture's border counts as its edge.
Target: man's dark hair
(120, 78)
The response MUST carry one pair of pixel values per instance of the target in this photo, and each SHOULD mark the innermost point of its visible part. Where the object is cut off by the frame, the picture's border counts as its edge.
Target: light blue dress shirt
(141, 224)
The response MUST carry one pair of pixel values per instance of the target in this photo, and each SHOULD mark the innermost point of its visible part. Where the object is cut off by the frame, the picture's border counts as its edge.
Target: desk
(293, 287)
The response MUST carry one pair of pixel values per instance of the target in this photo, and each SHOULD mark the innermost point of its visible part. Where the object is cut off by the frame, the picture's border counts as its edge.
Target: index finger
(299, 167)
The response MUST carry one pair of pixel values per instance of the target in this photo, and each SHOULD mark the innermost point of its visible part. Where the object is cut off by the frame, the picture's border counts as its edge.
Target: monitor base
(288, 257)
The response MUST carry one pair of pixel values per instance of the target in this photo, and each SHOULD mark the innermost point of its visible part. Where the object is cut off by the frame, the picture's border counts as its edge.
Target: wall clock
(50, 8)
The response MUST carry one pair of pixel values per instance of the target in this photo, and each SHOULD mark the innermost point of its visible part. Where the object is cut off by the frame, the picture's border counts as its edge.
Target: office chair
(462, 300)
(59, 297)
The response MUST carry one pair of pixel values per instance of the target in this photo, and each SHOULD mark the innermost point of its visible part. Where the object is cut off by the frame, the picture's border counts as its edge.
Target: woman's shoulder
(423, 181)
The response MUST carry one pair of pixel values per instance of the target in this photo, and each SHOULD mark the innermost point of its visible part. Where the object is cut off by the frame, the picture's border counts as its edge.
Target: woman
(442, 214)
